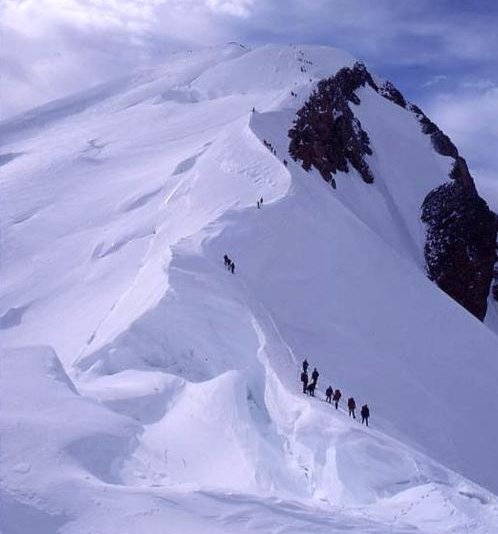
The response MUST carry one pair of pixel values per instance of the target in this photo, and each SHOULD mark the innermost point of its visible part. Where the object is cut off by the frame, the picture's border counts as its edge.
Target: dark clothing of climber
(305, 366)
(328, 394)
(304, 380)
(314, 375)
(337, 397)
(365, 414)
(351, 407)
(311, 389)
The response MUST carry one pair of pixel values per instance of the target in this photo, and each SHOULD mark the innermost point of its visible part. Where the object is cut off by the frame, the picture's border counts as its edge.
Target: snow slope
(178, 391)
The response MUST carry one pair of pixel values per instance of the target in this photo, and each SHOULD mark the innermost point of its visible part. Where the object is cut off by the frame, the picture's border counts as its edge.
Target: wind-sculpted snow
(177, 404)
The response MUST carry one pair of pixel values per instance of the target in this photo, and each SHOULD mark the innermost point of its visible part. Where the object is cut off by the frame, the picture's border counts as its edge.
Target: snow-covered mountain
(146, 389)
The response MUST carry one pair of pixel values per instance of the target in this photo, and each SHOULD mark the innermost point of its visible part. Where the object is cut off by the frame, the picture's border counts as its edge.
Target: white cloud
(470, 116)
(51, 48)
(435, 80)
(238, 8)
(471, 119)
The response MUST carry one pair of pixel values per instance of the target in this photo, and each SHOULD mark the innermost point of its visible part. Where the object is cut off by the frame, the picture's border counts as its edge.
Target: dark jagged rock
(387, 90)
(494, 287)
(461, 230)
(460, 248)
(326, 134)
(460, 245)
(440, 141)
(460, 173)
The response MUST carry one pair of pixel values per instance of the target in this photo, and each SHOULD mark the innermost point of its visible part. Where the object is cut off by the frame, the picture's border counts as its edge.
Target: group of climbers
(309, 387)
(229, 264)
(330, 394)
(269, 146)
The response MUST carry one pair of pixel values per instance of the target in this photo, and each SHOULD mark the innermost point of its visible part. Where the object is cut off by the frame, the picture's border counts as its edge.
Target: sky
(442, 54)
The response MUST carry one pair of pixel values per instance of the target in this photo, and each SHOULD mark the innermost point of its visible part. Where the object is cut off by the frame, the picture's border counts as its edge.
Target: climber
(351, 407)
(314, 376)
(311, 389)
(254, 109)
(365, 414)
(258, 204)
(232, 267)
(285, 163)
(305, 365)
(304, 380)
(227, 260)
(261, 201)
(337, 397)
(328, 394)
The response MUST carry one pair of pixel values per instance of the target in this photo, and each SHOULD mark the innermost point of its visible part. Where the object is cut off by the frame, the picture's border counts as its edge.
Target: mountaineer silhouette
(351, 407)
(365, 414)
(314, 376)
(304, 380)
(337, 397)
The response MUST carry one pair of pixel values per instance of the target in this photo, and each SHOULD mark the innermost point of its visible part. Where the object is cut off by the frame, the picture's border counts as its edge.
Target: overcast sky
(443, 54)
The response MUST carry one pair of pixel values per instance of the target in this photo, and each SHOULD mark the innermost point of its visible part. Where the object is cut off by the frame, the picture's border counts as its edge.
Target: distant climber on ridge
(229, 264)
(365, 414)
(304, 380)
(328, 394)
(337, 397)
(314, 376)
(351, 407)
(305, 365)
(311, 389)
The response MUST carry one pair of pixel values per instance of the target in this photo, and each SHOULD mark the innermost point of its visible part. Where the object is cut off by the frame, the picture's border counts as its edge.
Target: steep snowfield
(177, 406)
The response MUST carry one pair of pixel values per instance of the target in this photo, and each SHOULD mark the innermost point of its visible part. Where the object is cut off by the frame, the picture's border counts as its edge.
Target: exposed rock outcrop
(460, 246)
(461, 229)
(460, 249)
(326, 134)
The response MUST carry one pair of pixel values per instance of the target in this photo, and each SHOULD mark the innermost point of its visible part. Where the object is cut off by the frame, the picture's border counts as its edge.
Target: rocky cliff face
(326, 134)
(460, 249)
(460, 246)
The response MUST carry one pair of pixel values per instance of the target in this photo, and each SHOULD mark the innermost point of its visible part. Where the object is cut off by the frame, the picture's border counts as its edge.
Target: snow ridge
(176, 382)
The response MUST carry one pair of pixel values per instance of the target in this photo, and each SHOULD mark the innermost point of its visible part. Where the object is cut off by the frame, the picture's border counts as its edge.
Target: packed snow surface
(146, 389)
